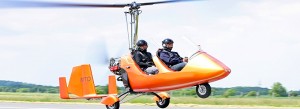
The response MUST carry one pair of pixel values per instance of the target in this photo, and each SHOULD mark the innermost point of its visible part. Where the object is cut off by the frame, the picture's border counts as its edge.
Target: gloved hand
(185, 59)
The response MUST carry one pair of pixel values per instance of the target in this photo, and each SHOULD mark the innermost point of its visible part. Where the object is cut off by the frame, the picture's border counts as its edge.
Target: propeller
(43, 4)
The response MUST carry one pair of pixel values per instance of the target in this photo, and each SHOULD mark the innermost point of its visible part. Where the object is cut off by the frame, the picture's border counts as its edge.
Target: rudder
(63, 89)
(81, 81)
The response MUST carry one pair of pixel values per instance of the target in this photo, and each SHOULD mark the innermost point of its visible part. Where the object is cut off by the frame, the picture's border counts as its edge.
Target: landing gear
(163, 103)
(203, 90)
(162, 99)
(114, 106)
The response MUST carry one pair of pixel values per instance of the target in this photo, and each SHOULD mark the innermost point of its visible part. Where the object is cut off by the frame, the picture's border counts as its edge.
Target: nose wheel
(163, 103)
(203, 90)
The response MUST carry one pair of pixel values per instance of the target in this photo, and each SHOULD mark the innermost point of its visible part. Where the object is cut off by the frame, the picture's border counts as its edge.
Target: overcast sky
(258, 39)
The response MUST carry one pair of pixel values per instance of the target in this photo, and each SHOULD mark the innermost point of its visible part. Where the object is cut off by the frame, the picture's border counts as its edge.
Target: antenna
(197, 45)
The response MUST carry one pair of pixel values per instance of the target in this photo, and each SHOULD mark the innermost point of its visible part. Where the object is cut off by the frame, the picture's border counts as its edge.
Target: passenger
(170, 58)
(144, 58)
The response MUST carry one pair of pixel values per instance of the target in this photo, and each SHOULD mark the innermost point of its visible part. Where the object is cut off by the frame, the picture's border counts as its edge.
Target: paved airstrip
(22, 105)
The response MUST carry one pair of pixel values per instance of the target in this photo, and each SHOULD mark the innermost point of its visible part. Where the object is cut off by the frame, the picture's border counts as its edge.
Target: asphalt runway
(23, 105)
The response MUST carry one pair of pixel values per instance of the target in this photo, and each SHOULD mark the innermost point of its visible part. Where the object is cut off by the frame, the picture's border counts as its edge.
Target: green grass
(247, 101)
(34, 97)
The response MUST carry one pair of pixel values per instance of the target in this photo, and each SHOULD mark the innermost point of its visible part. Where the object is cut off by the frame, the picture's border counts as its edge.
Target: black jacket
(143, 59)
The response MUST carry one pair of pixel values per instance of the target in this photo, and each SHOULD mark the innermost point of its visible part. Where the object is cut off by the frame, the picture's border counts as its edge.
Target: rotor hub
(134, 5)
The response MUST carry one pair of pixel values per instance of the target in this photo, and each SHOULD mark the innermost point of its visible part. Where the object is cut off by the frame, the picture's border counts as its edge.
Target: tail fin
(112, 85)
(81, 81)
(63, 89)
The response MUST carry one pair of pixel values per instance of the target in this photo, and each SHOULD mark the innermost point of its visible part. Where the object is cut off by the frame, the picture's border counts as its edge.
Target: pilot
(171, 58)
(144, 58)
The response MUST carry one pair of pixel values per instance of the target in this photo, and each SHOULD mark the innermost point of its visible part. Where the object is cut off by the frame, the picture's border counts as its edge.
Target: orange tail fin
(63, 89)
(81, 81)
(112, 85)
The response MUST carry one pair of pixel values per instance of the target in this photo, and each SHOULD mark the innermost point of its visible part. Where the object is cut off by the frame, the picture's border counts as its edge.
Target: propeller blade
(97, 53)
(41, 4)
(167, 1)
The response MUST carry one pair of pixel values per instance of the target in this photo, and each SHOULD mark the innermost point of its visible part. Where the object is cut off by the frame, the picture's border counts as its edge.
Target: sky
(258, 39)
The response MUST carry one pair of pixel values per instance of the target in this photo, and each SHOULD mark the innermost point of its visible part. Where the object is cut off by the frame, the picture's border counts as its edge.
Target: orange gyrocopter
(201, 69)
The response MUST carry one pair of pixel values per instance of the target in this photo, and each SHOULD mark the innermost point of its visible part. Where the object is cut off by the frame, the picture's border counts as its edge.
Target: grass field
(261, 101)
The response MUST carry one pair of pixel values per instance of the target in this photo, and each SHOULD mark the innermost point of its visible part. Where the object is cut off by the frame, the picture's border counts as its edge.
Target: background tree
(213, 92)
(52, 90)
(229, 92)
(278, 90)
(23, 90)
(102, 89)
(251, 93)
(293, 93)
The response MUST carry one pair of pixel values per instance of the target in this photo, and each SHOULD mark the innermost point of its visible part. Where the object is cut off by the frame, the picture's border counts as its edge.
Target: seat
(158, 52)
(162, 67)
(135, 64)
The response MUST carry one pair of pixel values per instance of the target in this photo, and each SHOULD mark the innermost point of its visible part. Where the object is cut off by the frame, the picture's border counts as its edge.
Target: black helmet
(167, 41)
(141, 43)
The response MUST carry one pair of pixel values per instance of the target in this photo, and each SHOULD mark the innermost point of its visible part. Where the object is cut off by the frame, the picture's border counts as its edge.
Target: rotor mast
(134, 18)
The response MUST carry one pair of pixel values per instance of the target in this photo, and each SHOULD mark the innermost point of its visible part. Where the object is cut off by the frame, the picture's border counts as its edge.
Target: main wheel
(114, 106)
(203, 90)
(163, 103)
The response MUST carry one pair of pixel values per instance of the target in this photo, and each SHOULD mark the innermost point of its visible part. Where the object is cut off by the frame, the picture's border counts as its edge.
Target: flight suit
(145, 62)
(172, 59)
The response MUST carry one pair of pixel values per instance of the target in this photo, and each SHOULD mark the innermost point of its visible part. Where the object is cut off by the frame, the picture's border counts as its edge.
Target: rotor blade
(167, 1)
(41, 4)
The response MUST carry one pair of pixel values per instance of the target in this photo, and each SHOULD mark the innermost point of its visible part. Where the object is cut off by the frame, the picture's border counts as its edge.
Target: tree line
(277, 90)
(11, 86)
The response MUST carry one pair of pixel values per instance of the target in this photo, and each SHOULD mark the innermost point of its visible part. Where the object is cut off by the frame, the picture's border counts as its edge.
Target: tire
(114, 106)
(163, 103)
(203, 90)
